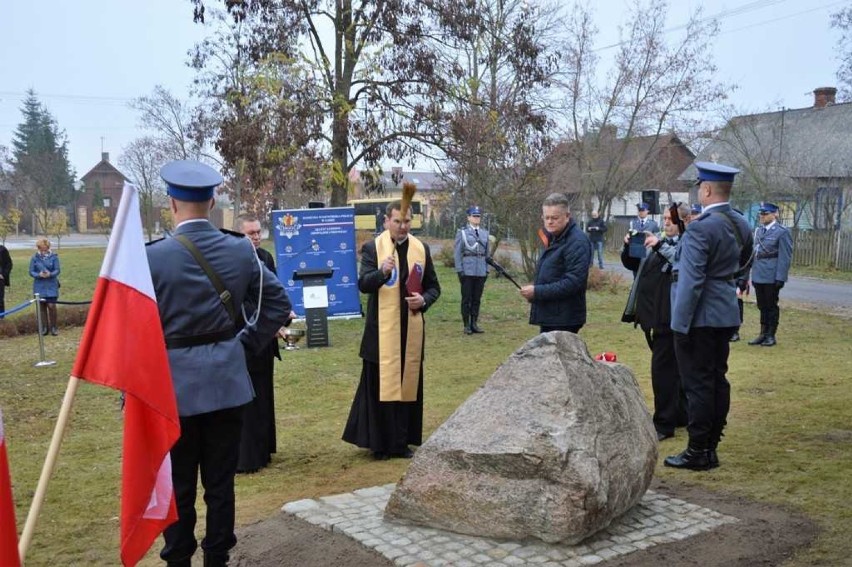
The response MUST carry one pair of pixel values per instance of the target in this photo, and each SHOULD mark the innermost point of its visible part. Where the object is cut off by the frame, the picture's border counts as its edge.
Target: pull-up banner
(308, 239)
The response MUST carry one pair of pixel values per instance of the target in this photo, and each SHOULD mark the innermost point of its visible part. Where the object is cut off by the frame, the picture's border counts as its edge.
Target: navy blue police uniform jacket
(214, 376)
(706, 262)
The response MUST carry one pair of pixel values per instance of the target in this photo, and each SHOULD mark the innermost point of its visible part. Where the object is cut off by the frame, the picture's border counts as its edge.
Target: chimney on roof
(824, 96)
(105, 156)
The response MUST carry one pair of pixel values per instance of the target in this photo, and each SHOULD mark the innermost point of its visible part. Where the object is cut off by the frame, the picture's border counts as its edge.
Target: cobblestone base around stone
(656, 519)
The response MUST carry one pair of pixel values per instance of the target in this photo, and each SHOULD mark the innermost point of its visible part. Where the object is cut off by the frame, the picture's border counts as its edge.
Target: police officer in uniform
(772, 256)
(470, 250)
(642, 222)
(201, 279)
(704, 311)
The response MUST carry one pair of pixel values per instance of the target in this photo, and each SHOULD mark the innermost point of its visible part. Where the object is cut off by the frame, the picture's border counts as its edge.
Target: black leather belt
(475, 255)
(766, 256)
(198, 340)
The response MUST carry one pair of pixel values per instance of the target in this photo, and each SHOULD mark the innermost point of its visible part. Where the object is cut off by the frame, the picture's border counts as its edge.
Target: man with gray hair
(558, 295)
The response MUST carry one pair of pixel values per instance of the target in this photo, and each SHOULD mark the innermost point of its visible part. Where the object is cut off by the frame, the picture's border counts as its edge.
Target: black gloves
(779, 284)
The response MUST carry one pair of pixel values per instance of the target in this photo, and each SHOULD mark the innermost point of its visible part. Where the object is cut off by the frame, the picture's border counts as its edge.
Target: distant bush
(600, 280)
(445, 257)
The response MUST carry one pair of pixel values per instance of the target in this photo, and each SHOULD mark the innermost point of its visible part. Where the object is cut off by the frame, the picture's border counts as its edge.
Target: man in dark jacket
(649, 306)
(558, 295)
(596, 227)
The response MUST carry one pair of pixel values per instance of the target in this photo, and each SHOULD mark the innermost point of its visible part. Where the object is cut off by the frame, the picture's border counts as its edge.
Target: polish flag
(8, 527)
(123, 348)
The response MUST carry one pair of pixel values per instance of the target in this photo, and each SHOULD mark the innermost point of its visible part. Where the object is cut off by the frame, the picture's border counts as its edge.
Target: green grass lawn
(789, 439)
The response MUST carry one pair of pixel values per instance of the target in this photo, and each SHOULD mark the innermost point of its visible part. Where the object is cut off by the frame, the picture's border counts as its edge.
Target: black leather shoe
(735, 337)
(758, 340)
(663, 436)
(475, 328)
(468, 331)
(54, 331)
(690, 459)
(769, 341)
(406, 454)
(713, 458)
(379, 456)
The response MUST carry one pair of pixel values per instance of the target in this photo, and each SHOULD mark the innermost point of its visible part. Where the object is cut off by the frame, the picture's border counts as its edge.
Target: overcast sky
(87, 58)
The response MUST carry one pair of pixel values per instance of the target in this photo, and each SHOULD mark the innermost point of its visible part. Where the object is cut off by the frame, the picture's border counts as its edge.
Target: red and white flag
(123, 348)
(8, 527)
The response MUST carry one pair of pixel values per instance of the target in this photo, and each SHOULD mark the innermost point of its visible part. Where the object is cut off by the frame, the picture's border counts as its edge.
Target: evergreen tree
(41, 172)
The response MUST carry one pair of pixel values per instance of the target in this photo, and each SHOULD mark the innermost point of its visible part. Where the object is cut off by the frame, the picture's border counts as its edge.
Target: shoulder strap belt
(224, 295)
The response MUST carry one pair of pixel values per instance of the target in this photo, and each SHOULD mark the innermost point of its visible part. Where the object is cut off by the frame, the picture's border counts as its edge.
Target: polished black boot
(467, 329)
(216, 560)
(712, 458)
(691, 459)
(770, 336)
(758, 340)
(473, 326)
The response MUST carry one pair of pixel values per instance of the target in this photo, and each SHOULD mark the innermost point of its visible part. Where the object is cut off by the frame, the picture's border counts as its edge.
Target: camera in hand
(636, 245)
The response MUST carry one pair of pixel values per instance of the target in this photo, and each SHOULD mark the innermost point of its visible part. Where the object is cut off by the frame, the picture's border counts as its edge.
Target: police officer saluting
(470, 250)
(704, 312)
(773, 253)
(202, 277)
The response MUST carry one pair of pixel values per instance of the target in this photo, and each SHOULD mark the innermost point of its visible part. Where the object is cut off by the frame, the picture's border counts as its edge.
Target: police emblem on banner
(288, 225)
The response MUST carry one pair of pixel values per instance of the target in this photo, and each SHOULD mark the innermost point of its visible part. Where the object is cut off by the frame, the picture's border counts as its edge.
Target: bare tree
(615, 123)
(171, 121)
(842, 20)
(142, 159)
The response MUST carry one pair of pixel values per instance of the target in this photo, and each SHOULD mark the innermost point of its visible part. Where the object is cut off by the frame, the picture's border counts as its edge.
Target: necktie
(642, 224)
(476, 232)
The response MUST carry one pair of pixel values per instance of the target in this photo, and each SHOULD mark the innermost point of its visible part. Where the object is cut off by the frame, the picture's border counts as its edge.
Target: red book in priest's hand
(414, 283)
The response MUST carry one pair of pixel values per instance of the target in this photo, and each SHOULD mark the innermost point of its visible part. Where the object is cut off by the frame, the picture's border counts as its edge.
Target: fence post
(42, 362)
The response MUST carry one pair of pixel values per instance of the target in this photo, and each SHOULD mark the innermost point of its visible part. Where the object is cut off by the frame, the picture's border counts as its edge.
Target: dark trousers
(570, 328)
(209, 442)
(669, 396)
(2, 299)
(471, 292)
(767, 302)
(702, 357)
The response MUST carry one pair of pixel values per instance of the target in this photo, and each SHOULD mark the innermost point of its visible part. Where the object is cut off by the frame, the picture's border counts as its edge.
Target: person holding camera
(772, 256)
(596, 228)
(649, 306)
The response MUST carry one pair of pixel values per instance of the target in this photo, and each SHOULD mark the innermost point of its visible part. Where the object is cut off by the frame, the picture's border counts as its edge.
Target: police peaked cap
(189, 180)
(709, 171)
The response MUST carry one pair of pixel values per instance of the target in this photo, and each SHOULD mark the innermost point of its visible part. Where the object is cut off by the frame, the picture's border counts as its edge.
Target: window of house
(107, 202)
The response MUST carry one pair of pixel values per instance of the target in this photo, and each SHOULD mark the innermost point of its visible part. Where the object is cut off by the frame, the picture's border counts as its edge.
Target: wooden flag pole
(47, 468)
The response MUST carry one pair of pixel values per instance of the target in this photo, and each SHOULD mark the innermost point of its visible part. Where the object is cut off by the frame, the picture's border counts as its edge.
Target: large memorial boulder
(554, 445)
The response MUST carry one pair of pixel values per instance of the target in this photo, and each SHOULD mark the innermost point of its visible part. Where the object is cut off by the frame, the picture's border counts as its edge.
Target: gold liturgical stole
(398, 378)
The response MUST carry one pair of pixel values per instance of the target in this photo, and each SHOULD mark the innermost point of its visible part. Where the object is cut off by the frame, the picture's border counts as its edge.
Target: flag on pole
(8, 527)
(123, 347)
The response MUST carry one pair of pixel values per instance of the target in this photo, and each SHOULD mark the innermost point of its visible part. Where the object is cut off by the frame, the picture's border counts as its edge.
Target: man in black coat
(258, 439)
(398, 274)
(558, 296)
(649, 306)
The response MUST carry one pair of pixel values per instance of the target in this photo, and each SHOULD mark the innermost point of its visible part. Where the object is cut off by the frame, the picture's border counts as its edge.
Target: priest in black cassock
(387, 412)
(258, 441)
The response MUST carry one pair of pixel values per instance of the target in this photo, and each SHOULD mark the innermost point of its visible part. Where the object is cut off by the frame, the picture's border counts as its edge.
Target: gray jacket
(773, 252)
(470, 251)
(212, 376)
